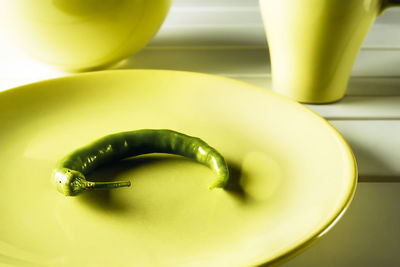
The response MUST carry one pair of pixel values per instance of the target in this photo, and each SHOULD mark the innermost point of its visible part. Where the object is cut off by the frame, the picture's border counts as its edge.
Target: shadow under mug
(313, 44)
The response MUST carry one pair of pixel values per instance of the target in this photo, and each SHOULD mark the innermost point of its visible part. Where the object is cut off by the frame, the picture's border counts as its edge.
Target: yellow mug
(79, 35)
(313, 44)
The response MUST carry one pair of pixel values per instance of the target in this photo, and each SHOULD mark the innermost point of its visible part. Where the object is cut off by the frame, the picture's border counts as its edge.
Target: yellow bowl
(78, 35)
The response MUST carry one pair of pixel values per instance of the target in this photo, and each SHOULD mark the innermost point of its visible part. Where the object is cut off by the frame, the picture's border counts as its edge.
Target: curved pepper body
(70, 172)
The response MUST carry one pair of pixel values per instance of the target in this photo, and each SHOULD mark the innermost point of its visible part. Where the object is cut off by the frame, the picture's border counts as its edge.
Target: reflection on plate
(292, 174)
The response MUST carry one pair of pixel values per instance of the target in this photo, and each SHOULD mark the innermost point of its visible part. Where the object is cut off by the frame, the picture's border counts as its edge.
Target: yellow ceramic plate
(293, 175)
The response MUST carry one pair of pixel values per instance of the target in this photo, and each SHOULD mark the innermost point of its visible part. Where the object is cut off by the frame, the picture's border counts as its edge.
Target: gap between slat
(378, 179)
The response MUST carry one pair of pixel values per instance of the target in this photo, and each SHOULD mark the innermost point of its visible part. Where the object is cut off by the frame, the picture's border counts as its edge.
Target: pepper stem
(107, 185)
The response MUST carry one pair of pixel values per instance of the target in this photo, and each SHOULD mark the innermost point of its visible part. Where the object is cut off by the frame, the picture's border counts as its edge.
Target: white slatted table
(226, 37)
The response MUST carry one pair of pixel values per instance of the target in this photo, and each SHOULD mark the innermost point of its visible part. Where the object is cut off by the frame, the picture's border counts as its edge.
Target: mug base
(312, 100)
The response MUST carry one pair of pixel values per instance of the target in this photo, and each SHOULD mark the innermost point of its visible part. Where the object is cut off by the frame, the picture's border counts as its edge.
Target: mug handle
(390, 3)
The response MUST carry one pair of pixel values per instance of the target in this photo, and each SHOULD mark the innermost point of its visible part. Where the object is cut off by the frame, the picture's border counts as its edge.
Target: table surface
(226, 37)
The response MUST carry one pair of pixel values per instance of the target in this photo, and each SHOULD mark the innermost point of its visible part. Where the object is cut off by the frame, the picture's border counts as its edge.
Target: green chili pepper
(69, 174)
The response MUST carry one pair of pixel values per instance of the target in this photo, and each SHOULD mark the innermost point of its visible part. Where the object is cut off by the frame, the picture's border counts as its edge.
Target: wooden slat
(213, 3)
(358, 86)
(211, 35)
(376, 146)
(250, 61)
(231, 61)
(223, 60)
(225, 22)
(377, 62)
(368, 235)
(374, 86)
(384, 35)
(361, 108)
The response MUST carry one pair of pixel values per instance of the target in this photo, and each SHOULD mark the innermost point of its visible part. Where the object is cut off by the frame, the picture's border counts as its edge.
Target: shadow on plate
(106, 200)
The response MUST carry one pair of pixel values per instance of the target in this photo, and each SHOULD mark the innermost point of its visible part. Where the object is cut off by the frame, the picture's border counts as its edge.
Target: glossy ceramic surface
(292, 174)
(78, 35)
(313, 44)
